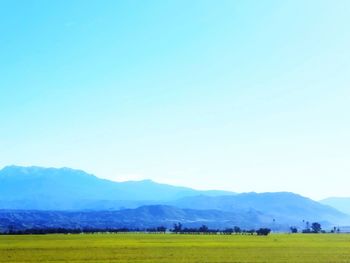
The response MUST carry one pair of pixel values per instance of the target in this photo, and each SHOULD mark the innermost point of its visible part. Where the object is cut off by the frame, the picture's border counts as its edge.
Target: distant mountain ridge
(340, 203)
(67, 191)
(284, 207)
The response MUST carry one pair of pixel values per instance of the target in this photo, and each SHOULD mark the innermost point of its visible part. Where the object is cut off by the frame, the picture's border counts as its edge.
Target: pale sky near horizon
(235, 95)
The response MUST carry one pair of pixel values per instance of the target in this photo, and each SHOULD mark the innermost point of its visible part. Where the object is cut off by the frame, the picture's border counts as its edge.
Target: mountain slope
(340, 203)
(142, 217)
(65, 188)
(282, 206)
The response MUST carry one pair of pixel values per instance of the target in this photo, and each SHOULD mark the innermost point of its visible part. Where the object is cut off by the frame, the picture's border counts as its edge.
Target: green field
(175, 248)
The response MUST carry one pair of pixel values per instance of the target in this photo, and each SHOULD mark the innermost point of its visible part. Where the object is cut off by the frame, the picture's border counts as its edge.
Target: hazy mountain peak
(15, 170)
(34, 169)
(65, 188)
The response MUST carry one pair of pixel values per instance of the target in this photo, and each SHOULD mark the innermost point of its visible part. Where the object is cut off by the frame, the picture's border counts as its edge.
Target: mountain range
(340, 203)
(69, 189)
(51, 197)
(142, 217)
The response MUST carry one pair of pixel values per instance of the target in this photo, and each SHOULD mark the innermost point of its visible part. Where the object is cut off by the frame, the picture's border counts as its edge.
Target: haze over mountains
(44, 197)
(69, 189)
(340, 203)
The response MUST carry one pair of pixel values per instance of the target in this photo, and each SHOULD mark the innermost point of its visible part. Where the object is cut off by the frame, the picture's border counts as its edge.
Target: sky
(234, 95)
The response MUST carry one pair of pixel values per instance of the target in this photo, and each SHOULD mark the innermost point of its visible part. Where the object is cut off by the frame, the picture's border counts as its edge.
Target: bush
(263, 231)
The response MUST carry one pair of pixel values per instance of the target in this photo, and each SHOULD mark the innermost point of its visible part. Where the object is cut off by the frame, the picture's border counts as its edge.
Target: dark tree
(263, 231)
(203, 229)
(161, 229)
(178, 228)
(228, 231)
(316, 227)
(237, 230)
(293, 229)
(250, 232)
(307, 226)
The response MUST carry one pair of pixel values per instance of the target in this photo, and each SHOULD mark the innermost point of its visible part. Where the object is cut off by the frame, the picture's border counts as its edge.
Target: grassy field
(175, 248)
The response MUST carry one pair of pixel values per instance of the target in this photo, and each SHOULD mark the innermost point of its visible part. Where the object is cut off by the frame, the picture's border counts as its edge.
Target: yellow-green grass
(175, 248)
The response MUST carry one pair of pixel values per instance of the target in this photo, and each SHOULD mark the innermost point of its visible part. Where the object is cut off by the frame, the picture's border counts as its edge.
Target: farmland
(175, 248)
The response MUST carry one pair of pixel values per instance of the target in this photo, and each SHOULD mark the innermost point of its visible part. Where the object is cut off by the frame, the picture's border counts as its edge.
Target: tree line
(313, 228)
(177, 229)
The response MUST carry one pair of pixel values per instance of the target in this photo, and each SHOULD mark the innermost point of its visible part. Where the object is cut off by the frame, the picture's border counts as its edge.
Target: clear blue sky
(237, 95)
